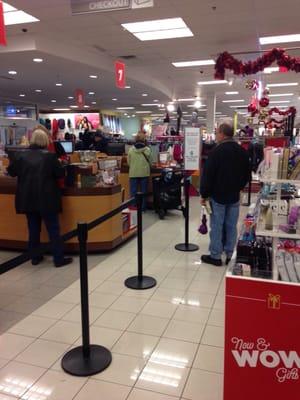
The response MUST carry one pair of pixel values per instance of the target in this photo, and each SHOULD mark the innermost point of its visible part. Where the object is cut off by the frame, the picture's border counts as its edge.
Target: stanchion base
(186, 247)
(135, 282)
(75, 363)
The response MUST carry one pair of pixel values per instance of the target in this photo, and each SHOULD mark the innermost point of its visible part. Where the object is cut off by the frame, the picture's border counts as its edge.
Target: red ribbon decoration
(275, 110)
(2, 26)
(283, 60)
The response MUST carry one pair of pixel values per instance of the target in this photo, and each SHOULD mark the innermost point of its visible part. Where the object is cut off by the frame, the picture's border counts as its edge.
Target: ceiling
(74, 47)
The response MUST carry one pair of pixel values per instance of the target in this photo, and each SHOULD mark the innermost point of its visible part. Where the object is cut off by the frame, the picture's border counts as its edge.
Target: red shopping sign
(79, 95)
(2, 26)
(120, 74)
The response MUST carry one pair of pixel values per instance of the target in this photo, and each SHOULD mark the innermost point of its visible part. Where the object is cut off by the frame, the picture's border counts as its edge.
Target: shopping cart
(167, 192)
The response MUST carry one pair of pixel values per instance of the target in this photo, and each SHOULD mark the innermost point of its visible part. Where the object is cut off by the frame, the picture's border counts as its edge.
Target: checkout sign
(88, 6)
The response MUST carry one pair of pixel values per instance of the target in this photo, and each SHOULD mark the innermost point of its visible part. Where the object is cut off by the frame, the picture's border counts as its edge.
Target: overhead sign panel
(88, 6)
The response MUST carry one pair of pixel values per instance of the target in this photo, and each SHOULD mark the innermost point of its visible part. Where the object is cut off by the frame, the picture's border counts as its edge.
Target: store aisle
(167, 342)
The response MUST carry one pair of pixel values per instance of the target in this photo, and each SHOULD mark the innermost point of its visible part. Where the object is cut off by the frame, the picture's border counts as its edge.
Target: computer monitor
(115, 149)
(67, 146)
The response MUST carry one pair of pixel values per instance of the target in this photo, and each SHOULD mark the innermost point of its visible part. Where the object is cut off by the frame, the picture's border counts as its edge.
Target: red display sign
(79, 95)
(120, 74)
(262, 346)
(2, 26)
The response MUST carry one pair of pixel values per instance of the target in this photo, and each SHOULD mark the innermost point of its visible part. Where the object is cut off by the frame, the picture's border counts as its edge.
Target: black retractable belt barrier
(186, 246)
(140, 282)
(85, 360)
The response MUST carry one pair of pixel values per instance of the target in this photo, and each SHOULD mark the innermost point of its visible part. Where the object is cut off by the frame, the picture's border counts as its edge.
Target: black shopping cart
(167, 192)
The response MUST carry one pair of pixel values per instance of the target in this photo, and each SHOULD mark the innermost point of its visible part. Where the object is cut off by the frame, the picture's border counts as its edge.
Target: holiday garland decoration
(278, 55)
(289, 111)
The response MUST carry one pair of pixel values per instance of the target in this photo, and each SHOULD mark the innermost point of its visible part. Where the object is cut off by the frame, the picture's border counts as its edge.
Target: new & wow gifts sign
(262, 341)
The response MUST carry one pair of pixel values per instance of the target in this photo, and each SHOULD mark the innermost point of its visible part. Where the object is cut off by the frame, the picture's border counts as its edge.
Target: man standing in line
(225, 174)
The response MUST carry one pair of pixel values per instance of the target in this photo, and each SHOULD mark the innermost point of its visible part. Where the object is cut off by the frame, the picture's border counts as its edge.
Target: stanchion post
(140, 282)
(186, 246)
(85, 360)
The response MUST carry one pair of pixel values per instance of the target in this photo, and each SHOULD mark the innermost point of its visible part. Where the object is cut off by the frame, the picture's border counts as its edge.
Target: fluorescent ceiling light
(73, 106)
(282, 84)
(94, 102)
(8, 7)
(144, 94)
(143, 112)
(61, 109)
(93, 76)
(245, 106)
(38, 90)
(280, 101)
(70, 97)
(156, 101)
(86, 106)
(22, 95)
(114, 99)
(231, 93)
(189, 99)
(279, 39)
(91, 93)
(38, 60)
(218, 112)
(216, 82)
(269, 70)
(233, 101)
(150, 105)
(193, 106)
(198, 104)
(197, 63)
(53, 101)
(127, 87)
(125, 108)
(159, 29)
(12, 72)
(18, 17)
(171, 107)
(58, 84)
(281, 95)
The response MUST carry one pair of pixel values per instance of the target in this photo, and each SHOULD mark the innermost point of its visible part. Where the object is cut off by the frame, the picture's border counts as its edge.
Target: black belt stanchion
(140, 282)
(186, 246)
(85, 360)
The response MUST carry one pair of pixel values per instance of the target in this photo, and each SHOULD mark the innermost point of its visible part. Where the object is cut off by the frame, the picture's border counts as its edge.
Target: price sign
(120, 75)
(2, 26)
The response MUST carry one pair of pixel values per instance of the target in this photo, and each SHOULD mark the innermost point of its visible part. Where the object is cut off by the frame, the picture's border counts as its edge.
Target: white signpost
(192, 149)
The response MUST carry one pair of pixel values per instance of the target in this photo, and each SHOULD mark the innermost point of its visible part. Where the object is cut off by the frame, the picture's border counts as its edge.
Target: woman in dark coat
(38, 195)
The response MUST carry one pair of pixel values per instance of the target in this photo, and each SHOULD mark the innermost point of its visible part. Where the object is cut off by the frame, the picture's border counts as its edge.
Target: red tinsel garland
(275, 110)
(227, 61)
(276, 121)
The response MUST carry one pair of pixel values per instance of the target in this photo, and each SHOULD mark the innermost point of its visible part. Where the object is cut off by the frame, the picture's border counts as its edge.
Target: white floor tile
(104, 336)
(136, 345)
(192, 314)
(55, 386)
(123, 370)
(101, 300)
(63, 332)
(94, 390)
(129, 304)
(11, 345)
(203, 385)
(174, 353)
(42, 353)
(159, 309)
(174, 296)
(75, 314)
(3, 362)
(163, 379)
(198, 299)
(53, 309)
(4, 397)
(139, 394)
(182, 330)
(210, 358)
(217, 318)
(213, 336)
(109, 287)
(16, 378)
(115, 319)
(33, 326)
(172, 283)
(148, 325)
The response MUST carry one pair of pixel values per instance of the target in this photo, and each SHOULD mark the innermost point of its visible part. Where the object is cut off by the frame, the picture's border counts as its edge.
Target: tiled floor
(166, 342)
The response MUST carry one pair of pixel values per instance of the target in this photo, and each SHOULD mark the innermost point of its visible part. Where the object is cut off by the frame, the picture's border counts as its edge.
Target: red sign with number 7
(120, 74)
(2, 26)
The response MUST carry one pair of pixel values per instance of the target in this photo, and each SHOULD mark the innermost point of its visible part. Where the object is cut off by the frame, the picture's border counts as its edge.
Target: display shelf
(276, 180)
(275, 233)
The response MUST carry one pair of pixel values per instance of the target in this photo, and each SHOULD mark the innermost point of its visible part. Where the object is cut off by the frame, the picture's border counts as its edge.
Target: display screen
(68, 146)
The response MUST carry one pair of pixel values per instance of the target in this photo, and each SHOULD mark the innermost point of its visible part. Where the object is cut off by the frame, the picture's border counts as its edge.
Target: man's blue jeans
(223, 228)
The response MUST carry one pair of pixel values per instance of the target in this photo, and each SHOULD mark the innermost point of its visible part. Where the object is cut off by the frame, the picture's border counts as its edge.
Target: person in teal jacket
(139, 161)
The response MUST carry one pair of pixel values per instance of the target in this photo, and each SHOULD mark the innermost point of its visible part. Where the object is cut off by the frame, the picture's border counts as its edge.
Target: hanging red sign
(79, 95)
(120, 74)
(2, 26)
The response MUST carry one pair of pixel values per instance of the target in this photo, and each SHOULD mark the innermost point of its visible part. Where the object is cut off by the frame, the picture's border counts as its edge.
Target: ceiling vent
(8, 78)
(129, 57)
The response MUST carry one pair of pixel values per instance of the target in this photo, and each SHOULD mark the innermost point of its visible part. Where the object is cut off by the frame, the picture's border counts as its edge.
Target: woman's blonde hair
(39, 138)
(140, 137)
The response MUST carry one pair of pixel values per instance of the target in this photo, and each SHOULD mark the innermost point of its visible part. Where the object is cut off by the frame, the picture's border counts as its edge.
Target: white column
(211, 113)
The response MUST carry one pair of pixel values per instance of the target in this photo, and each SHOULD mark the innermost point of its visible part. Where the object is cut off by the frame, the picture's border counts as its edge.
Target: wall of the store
(130, 126)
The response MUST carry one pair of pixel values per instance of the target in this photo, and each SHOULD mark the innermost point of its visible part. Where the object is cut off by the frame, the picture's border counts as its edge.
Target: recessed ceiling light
(280, 101)
(94, 102)
(198, 104)
(38, 60)
(127, 87)
(170, 107)
(189, 99)
(216, 82)
(22, 95)
(233, 101)
(58, 84)
(150, 105)
(279, 39)
(231, 93)
(38, 90)
(282, 84)
(269, 70)
(93, 76)
(91, 93)
(12, 72)
(125, 108)
(86, 106)
(70, 97)
(18, 17)
(53, 101)
(197, 63)
(155, 101)
(61, 109)
(114, 99)
(143, 112)
(159, 29)
(144, 94)
(281, 95)
(193, 106)
(73, 106)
